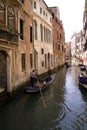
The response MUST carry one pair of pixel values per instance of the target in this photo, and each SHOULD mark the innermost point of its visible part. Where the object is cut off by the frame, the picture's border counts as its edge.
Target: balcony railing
(8, 36)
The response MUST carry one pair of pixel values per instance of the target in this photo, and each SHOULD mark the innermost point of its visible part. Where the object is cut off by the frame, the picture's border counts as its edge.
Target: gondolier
(33, 78)
(41, 85)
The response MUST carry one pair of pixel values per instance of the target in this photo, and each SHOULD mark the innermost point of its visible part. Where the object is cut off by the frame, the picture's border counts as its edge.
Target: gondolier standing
(33, 78)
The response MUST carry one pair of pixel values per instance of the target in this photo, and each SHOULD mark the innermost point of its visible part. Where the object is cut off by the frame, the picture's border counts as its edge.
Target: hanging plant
(11, 30)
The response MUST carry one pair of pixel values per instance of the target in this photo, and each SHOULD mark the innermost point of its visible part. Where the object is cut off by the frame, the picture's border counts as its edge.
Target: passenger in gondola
(81, 74)
(48, 79)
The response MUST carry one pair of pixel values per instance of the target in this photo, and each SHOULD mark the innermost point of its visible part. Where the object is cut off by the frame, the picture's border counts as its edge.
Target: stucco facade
(43, 43)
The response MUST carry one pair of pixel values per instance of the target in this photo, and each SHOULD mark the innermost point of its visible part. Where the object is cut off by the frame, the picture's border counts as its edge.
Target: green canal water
(66, 107)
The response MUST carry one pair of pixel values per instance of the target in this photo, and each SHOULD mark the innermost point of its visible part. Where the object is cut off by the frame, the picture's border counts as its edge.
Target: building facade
(77, 48)
(16, 43)
(27, 41)
(43, 43)
(58, 38)
(85, 32)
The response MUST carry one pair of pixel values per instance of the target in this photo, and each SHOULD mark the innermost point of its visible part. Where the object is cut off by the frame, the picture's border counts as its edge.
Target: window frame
(31, 60)
(21, 29)
(23, 61)
(31, 34)
(35, 5)
(22, 1)
(35, 30)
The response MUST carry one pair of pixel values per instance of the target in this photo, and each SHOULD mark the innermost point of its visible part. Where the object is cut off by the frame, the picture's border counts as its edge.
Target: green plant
(3, 26)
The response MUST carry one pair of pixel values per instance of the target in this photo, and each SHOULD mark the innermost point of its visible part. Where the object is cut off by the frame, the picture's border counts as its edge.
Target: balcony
(16, 3)
(7, 36)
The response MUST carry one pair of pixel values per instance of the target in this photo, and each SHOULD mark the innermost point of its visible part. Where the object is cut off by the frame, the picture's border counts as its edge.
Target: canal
(66, 106)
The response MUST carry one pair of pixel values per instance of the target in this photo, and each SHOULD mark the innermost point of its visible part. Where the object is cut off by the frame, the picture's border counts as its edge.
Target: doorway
(3, 71)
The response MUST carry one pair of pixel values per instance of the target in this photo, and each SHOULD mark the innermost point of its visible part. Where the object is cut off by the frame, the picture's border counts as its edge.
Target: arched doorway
(3, 71)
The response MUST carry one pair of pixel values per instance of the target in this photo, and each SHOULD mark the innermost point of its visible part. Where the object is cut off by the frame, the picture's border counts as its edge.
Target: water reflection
(66, 107)
(72, 115)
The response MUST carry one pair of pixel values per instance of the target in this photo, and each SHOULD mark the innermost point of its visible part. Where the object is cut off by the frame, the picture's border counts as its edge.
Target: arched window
(11, 17)
(2, 12)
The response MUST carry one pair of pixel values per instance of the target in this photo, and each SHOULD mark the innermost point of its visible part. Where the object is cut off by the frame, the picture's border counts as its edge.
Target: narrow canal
(66, 107)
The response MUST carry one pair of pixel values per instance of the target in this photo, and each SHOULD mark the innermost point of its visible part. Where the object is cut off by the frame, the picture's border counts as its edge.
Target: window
(22, 1)
(50, 20)
(35, 30)
(31, 34)
(43, 12)
(42, 63)
(60, 36)
(2, 12)
(41, 31)
(31, 60)
(35, 6)
(44, 34)
(57, 35)
(11, 17)
(61, 26)
(42, 51)
(40, 10)
(53, 15)
(23, 61)
(62, 48)
(51, 60)
(58, 47)
(21, 29)
(45, 60)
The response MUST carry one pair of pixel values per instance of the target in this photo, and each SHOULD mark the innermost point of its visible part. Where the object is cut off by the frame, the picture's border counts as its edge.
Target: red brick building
(58, 38)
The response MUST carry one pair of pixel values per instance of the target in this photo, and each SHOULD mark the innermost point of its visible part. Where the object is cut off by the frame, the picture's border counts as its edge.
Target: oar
(44, 103)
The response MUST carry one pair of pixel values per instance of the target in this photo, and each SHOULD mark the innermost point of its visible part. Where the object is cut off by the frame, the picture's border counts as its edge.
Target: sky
(71, 14)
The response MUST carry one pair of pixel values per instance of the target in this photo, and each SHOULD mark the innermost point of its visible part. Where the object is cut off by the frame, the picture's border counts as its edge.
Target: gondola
(83, 68)
(82, 80)
(68, 64)
(40, 85)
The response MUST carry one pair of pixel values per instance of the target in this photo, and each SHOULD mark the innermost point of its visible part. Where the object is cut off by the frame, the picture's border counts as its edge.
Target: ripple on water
(62, 113)
(69, 120)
